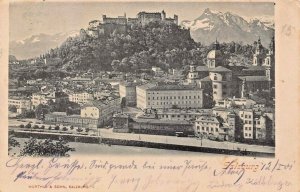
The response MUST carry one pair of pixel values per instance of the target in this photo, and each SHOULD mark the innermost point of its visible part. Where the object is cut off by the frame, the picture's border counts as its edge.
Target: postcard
(130, 96)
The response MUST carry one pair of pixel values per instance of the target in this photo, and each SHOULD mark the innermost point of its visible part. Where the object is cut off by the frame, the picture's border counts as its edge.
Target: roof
(220, 69)
(255, 68)
(213, 54)
(128, 84)
(253, 78)
(147, 86)
(208, 118)
(201, 68)
(157, 121)
(174, 87)
(205, 79)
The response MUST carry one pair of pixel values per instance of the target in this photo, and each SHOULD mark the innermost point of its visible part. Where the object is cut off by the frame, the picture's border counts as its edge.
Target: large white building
(81, 98)
(169, 96)
(21, 104)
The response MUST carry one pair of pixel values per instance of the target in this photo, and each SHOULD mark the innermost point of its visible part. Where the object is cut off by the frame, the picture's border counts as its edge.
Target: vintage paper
(169, 172)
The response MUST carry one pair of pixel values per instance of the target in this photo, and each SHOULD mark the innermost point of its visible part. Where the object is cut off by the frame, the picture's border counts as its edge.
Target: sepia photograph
(141, 78)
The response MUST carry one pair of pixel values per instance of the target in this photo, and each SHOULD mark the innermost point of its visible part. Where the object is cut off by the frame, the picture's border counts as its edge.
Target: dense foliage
(46, 147)
(156, 44)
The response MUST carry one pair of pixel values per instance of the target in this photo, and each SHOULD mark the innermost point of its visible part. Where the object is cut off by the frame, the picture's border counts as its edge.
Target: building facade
(127, 90)
(169, 96)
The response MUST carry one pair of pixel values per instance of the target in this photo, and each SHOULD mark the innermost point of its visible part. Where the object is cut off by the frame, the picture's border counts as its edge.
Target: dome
(213, 54)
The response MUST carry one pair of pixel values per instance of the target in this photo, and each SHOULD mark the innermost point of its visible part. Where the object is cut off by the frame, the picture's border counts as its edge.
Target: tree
(47, 147)
(12, 142)
(79, 129)
(12, 108)
(35, 126)
(56, 128)
(28, 126)
(22, 126)
(65, 129)
(123, 103)
(41, 110)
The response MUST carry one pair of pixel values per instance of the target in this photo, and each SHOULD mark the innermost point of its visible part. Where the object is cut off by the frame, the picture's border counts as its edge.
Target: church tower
(258, 55)
(214, 57)
(193, 74)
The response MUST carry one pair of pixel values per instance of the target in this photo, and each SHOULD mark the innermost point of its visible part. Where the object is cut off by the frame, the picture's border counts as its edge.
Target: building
(127, 90)
(246, 116)
(208, 125)
(45, 97)
(81, 97)
(169, 96)
(120, 24)
(152, 126)
(102, 110)
(222, 83)
(93, 115)
(22, 104)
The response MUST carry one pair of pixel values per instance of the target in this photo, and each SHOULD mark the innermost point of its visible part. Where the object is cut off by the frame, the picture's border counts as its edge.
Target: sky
(31, 18)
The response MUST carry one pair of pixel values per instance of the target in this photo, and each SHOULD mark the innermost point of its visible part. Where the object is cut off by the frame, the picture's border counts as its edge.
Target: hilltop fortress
(109, 25)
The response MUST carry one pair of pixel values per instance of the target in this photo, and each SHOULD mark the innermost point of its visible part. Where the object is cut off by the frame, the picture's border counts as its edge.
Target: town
(207, 104)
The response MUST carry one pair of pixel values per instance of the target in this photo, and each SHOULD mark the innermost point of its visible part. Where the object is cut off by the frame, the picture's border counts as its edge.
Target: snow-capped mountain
(227, 27)
(38, 44)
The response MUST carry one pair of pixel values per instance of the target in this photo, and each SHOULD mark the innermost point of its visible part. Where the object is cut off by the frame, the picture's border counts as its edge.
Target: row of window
(167, 116)
(174, 102)
(174, 97)
(216, 86)
(207, 129)
(248, 128)
(248, 135)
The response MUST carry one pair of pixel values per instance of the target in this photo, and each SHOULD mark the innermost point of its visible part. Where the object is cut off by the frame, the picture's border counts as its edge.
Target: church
(223, 81)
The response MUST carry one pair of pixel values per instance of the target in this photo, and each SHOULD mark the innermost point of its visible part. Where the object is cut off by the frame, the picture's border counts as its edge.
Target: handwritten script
(187, 175)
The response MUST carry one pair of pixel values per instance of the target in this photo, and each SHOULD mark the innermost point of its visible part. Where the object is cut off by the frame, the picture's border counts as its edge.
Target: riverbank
(140, 143)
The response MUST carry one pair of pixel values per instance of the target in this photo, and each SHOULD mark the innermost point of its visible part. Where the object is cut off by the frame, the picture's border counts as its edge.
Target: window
(250, 122)
(246, 128)
(246, 134)
(215, 92)
(249, 134)
(206, 128)
(215, 77)
(217, 129)
(249, 128)
(167, 116)
(246, 116)
(212, 129)
(215, 86)
(258, 122)
(246, 122)
(202, 128)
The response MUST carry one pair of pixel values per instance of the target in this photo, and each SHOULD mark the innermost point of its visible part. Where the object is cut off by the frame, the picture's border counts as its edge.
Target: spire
(216, 45)
(259, 40)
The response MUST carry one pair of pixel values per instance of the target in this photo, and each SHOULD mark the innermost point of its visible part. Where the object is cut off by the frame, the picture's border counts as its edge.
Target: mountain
(227, 27)
(38, 44)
